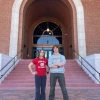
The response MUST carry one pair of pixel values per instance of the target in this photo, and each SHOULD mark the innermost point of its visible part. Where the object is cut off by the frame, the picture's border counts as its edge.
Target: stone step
(48, 85)
(67, 80)
(21, 77)
(67, 77)
(48, 81)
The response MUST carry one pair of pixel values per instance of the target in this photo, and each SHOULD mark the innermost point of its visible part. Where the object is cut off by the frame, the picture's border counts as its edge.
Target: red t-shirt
(40, 66)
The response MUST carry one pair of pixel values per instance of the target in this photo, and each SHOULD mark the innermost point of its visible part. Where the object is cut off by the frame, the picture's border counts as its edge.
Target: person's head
(41, 53)
(55, 49)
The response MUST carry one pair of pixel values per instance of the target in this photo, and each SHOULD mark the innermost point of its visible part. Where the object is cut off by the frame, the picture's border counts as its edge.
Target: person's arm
(54, 66)
(63, 62)
(30, 68)
(47, 69)
(51, 65)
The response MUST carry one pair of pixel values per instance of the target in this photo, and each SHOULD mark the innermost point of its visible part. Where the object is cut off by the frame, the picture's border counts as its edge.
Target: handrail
(88, 64)
(14, 58)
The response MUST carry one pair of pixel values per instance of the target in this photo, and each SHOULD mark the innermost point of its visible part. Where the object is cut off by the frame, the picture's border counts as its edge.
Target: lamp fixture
(49, 32)
(48, 29)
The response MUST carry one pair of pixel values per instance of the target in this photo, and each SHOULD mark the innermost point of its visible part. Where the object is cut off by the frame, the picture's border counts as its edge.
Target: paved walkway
(74, 94)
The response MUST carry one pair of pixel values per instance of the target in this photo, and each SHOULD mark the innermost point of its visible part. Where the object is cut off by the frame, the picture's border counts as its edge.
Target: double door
(48, 51)
(35, 52)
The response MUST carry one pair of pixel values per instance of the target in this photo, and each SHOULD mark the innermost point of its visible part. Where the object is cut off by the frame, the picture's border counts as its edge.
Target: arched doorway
(45, 35)
(73, 8)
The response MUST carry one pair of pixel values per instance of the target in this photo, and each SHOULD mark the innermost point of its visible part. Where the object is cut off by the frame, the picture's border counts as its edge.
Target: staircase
(21, 78)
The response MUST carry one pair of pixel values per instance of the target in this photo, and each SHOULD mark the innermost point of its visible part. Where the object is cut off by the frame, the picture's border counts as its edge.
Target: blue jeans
(61, 79)
(40, 83)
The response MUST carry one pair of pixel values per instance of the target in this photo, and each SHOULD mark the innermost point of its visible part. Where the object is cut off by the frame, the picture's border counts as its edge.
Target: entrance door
(48, 52)
(46, 35)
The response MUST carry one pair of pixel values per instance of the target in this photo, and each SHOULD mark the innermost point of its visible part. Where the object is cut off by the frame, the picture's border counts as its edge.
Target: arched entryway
(45, 35)
(35, 11)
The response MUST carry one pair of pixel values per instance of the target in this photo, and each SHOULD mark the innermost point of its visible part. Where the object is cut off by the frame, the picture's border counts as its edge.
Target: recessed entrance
(26, 14)
(45, 35)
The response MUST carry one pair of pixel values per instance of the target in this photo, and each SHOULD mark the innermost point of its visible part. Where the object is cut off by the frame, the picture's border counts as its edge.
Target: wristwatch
(58, 66)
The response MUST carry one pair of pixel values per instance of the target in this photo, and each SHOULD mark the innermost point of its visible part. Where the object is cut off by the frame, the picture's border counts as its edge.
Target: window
(47, 33)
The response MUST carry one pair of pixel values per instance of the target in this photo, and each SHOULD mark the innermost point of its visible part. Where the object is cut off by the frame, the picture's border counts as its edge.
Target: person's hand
(58, 64)
(34, 73)
(54, 66)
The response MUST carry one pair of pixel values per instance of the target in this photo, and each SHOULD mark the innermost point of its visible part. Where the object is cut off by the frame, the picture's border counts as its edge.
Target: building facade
(73, 23)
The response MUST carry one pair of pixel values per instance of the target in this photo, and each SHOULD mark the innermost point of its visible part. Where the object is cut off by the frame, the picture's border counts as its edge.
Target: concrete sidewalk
(74, 94)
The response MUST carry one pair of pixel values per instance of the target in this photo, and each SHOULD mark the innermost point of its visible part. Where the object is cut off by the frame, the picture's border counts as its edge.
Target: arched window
(47, 40)
(47, 33)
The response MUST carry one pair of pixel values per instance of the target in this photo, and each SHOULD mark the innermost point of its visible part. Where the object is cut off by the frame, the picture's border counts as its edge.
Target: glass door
(35, 51)
(48, 52)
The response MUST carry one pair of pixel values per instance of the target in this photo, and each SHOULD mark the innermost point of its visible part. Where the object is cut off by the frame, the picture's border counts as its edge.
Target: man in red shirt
(41, 69)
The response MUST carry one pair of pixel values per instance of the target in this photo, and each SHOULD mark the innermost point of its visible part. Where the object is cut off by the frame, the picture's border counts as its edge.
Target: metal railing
(14, 60)
(81, 59)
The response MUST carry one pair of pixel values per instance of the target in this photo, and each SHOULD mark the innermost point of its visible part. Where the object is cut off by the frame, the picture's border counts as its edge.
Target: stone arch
(15, 26)
(51, 19)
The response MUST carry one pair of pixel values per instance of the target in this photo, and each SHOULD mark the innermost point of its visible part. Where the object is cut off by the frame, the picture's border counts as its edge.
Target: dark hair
(40, 52)
(56, 47)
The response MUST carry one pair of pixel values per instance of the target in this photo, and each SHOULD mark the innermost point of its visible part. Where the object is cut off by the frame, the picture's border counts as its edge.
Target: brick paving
(74, 94)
